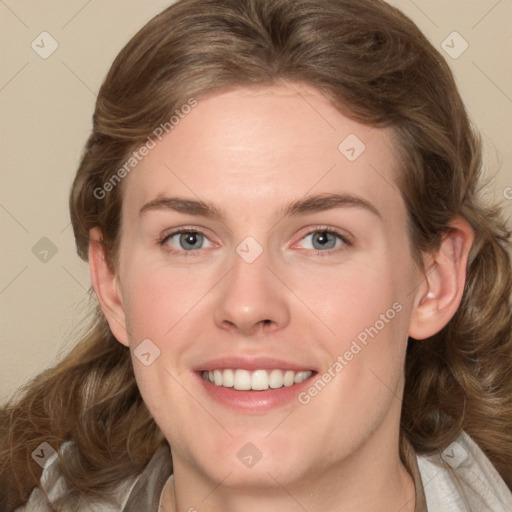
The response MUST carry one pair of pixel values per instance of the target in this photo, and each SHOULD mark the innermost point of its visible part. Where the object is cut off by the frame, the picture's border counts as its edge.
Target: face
(264, 258)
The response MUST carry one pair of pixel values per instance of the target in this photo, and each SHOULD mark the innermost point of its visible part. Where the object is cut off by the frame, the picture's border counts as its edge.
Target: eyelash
(163, 241)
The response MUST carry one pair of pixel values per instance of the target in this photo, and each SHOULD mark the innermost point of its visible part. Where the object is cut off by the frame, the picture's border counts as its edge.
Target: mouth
(257, 380)
(253, 385)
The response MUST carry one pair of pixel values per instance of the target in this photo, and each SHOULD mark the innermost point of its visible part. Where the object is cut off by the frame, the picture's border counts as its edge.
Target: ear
(106, 285)
(439, 297)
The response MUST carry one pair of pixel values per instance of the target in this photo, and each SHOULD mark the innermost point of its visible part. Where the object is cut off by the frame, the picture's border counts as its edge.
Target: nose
(252, 299)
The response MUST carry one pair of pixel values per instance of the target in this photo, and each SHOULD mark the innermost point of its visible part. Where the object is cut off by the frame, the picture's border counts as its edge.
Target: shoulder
(52, 486)
(462, 478)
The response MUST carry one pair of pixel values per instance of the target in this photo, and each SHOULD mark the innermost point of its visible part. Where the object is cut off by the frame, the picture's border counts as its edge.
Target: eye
(189, 241)
(325, 241)
(185, 241)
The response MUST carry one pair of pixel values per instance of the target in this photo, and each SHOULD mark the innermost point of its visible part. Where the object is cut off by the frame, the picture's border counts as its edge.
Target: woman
(302, 302)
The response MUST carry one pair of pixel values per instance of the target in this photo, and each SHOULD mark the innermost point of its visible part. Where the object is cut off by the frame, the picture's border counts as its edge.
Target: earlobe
(445, 278)
(105, 284)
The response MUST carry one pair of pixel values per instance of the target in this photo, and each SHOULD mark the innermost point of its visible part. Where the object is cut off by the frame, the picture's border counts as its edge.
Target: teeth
(242, 380)
(217, 377)
(275, 379)
(302, 376)
(228, 378)
(289, 378)
(258, 380)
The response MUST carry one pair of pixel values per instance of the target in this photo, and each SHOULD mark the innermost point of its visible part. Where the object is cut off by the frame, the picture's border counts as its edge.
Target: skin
(252, 152)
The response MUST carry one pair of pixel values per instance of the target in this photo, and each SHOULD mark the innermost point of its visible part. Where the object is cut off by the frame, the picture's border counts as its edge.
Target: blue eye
(188, 241)
(325, 240)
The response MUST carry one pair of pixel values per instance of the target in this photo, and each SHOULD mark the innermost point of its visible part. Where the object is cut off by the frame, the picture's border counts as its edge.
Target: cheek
(158, 299)
(355, 297)
(365, 309)
(162, 307)
(366, 352)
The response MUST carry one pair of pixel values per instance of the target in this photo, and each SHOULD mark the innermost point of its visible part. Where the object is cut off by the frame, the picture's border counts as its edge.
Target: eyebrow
(311, 204)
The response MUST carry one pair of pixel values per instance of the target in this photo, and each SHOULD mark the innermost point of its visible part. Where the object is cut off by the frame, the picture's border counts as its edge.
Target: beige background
(46, 107)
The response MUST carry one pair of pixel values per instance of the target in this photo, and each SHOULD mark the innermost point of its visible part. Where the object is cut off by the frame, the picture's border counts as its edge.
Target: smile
(257, 380)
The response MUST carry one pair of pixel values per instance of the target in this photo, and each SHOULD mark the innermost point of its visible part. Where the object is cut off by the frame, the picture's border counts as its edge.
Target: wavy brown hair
(375, 66)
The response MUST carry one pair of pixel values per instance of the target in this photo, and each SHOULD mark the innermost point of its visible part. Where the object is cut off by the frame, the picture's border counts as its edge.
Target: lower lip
(256, 401)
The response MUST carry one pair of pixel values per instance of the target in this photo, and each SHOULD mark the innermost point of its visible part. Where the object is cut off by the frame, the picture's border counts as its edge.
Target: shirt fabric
(460, 479)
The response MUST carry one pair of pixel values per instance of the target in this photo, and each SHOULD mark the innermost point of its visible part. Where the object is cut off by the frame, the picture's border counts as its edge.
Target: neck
(377, 482)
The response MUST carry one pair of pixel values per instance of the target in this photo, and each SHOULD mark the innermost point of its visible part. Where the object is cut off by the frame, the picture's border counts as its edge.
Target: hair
(376, 67)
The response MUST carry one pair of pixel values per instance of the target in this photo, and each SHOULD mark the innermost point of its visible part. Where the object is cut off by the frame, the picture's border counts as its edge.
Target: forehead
(274, 144)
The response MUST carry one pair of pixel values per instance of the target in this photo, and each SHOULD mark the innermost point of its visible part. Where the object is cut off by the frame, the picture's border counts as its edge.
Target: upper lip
(251, 363)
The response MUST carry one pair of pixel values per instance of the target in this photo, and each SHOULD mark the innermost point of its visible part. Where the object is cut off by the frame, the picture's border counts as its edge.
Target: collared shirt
(460, 479)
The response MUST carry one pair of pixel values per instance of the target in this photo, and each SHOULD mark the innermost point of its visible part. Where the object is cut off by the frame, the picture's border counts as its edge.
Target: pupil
(189, 240)
(323, 239)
